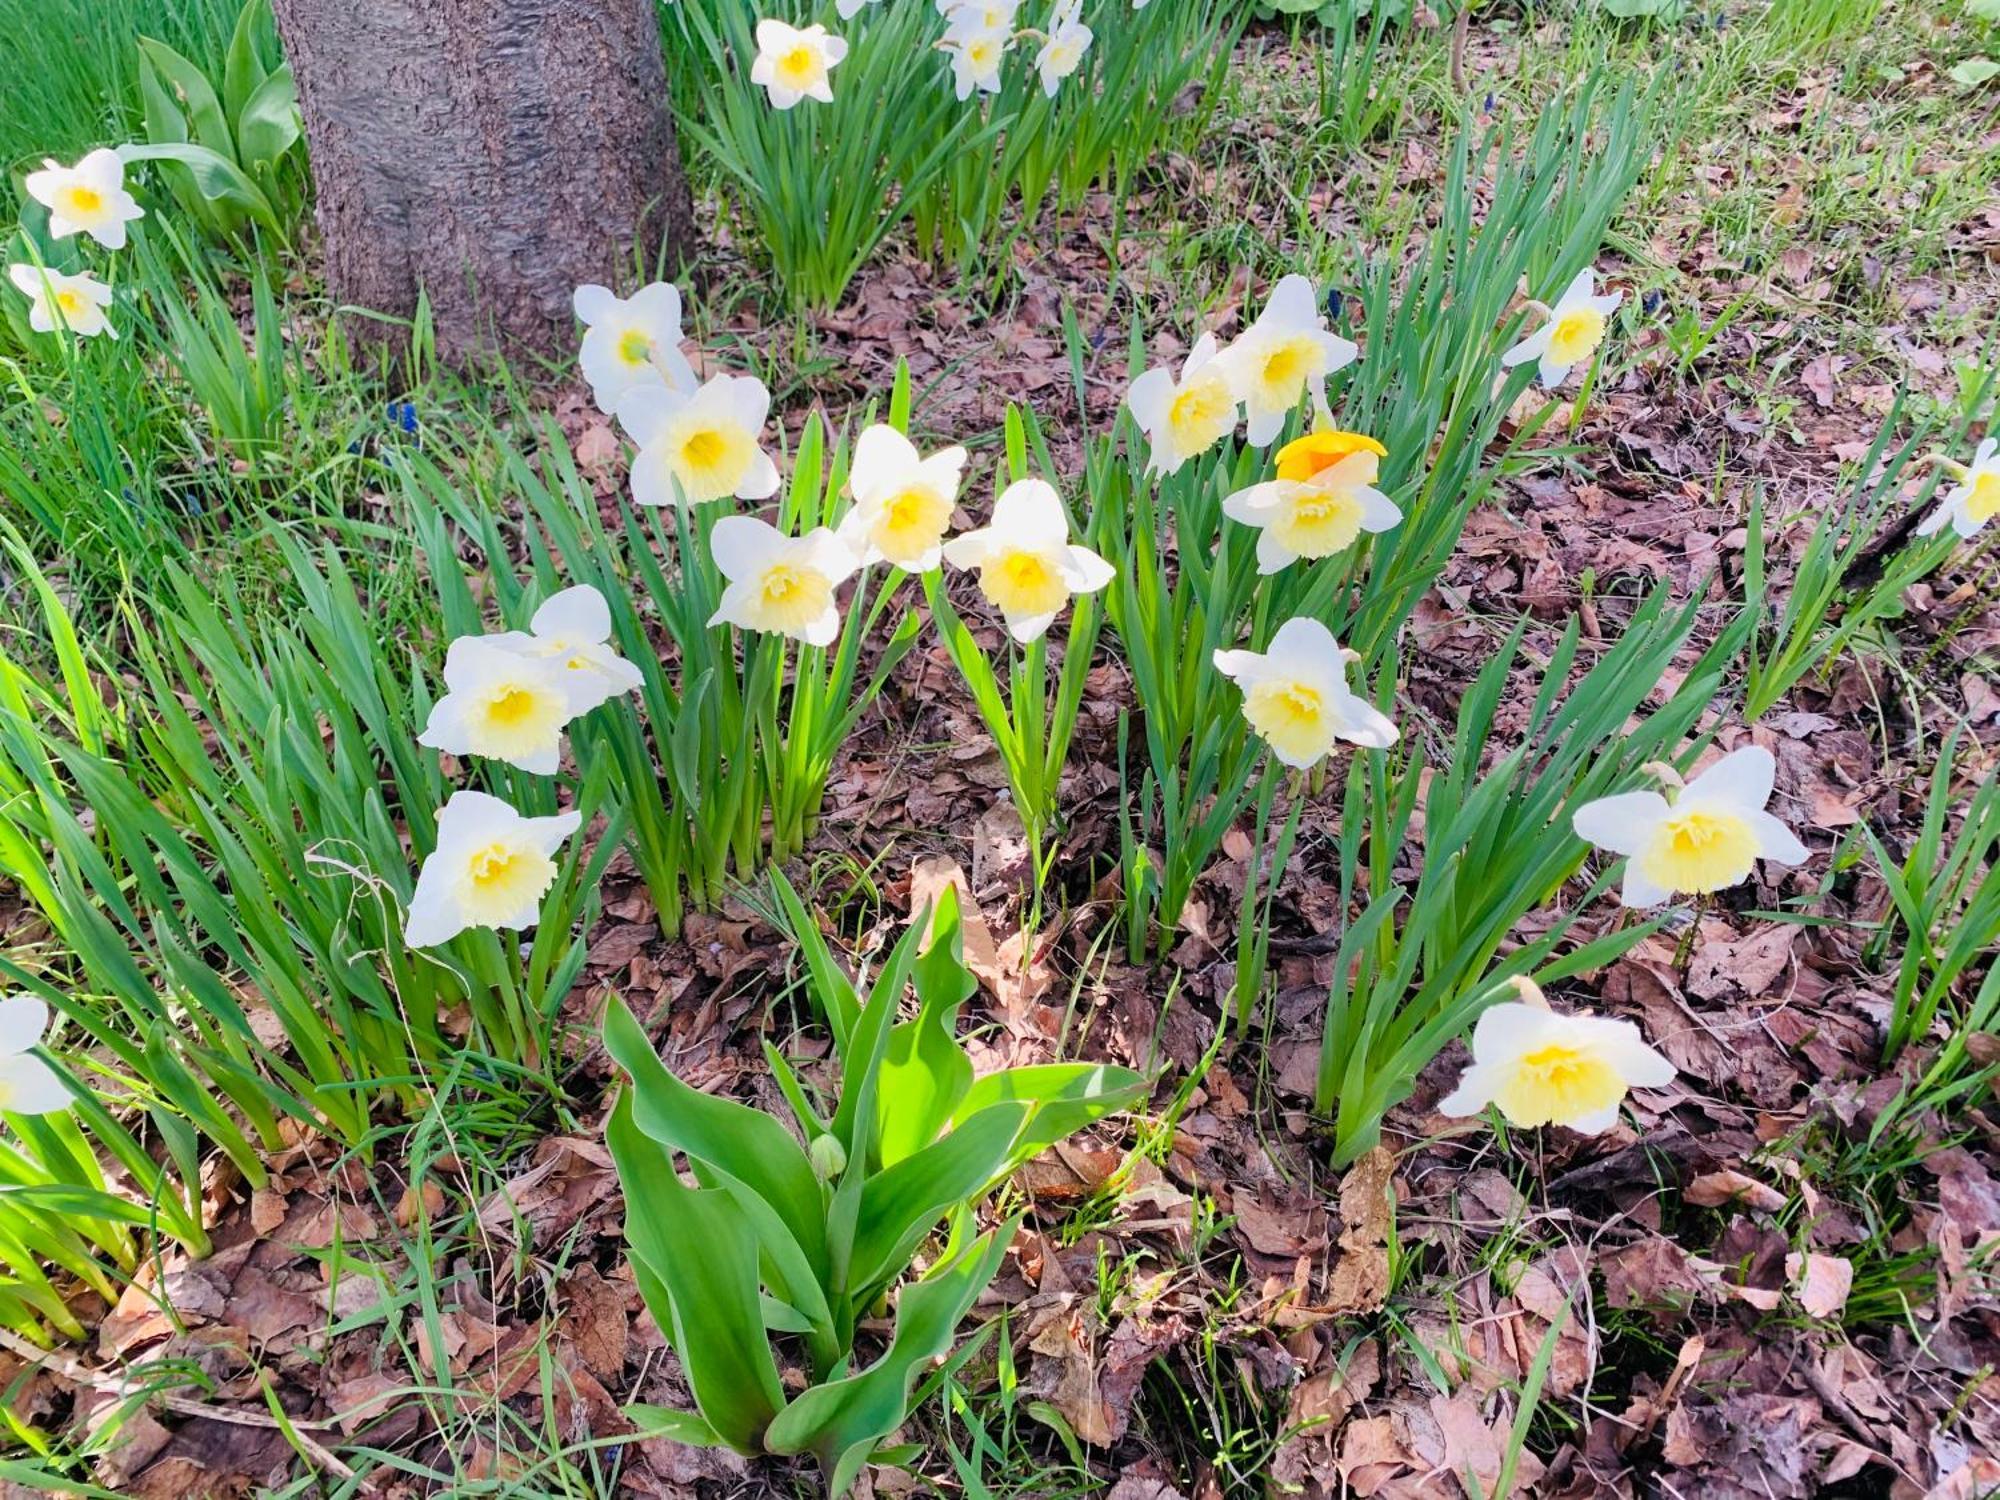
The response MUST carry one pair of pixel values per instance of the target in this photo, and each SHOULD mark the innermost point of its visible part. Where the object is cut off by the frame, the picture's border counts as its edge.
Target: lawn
(1251, 750)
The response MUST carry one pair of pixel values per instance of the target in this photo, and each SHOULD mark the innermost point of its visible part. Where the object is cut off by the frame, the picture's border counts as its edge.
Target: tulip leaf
(840, 1421)
(901, 1203)
(269, 125)
(926, 1072)
(741, 1142)
(216, 178)
(684, 1427)
(714, 1310)
(830, 986)
(1065, 1098)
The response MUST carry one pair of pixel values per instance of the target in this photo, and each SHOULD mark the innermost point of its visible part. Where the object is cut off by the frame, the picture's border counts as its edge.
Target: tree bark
(491, 153)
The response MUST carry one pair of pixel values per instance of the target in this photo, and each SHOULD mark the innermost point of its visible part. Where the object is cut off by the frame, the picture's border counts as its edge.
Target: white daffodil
(1286, 354)
(1545, 1068)
(1570, 331)
(784, 584)
(88, 198)
(58, 301)
(1185, 417)
(1028, 568)
(902, 500)
(793, 62)
(699, 446)
(1706, 838)
(632, 341)
(1323, 498)
(980, 15)
(1062, 48)
(501, 703)
(573, 629)
(491, 868)
(1976, 498)
(849, 9)
(975, 59)
(28, 1086)
(1295, 695)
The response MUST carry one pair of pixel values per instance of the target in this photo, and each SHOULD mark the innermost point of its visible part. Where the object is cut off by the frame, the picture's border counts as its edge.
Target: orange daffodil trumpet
(88, 198)
(902, 500)
(1186, 417)
(1323, 499)
(28, 1086)
(1295, 695)
(794, 62)
(1707, 837)
(76, 303)
(632, 341)
(784, 584)
(1975, 500)
(1028, 568)
(1284, 356)
(701, 445)
(1570, 331)
(1542, 1067)
(491, 868)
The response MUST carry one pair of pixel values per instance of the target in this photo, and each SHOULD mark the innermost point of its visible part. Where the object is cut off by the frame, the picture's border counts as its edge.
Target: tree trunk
(492, 153)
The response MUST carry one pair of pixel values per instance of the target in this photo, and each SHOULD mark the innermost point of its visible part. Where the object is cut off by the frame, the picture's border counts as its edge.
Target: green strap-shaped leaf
(829, 985)
(841, 1421)
(743, 1143)
(926, 1072)
(698, 1247)
(685, 1427)
(900, 1204)
(215, 177)
(1065, 1097)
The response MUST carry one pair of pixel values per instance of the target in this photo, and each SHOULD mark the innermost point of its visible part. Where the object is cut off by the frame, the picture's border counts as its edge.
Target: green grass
(72, 68)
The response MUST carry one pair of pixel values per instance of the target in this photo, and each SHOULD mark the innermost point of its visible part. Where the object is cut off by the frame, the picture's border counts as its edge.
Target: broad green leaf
(269, 125)
(698, 1245)
(1064, 1098)
(683, 1427)
(216, 177)
(840, 1421)
(745, 1144)
(900, 1204)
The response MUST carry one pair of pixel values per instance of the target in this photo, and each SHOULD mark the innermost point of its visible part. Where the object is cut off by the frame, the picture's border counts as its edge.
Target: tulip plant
(802, 1230)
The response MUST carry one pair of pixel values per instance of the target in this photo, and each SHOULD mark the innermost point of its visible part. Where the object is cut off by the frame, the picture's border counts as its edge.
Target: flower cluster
(797, 62)
(89, 198)
(508, 697)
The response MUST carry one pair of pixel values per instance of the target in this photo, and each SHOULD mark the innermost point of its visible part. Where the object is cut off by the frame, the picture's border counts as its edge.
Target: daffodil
(1323, 498)
(902, 500)
(784, 584)
(501, 703)
(1185, 417)
(89, 198)
(1287, 353)
(975, 59)
(980, 15)
(573, 629)
(491, 868)
(632, 341)
(794, 62)
(1705, 838)
(1295, 695)
(1028, 568)
(1570, 331)
(1975, 500)
(1545, 1068)
(28, 1086)
(58, 301)
(1062, 48)
(699, 446)
(849, 9)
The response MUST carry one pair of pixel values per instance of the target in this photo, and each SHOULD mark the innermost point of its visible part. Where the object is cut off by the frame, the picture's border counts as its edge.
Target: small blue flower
(1650, 303)
(1334, 303)
(404, 415)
